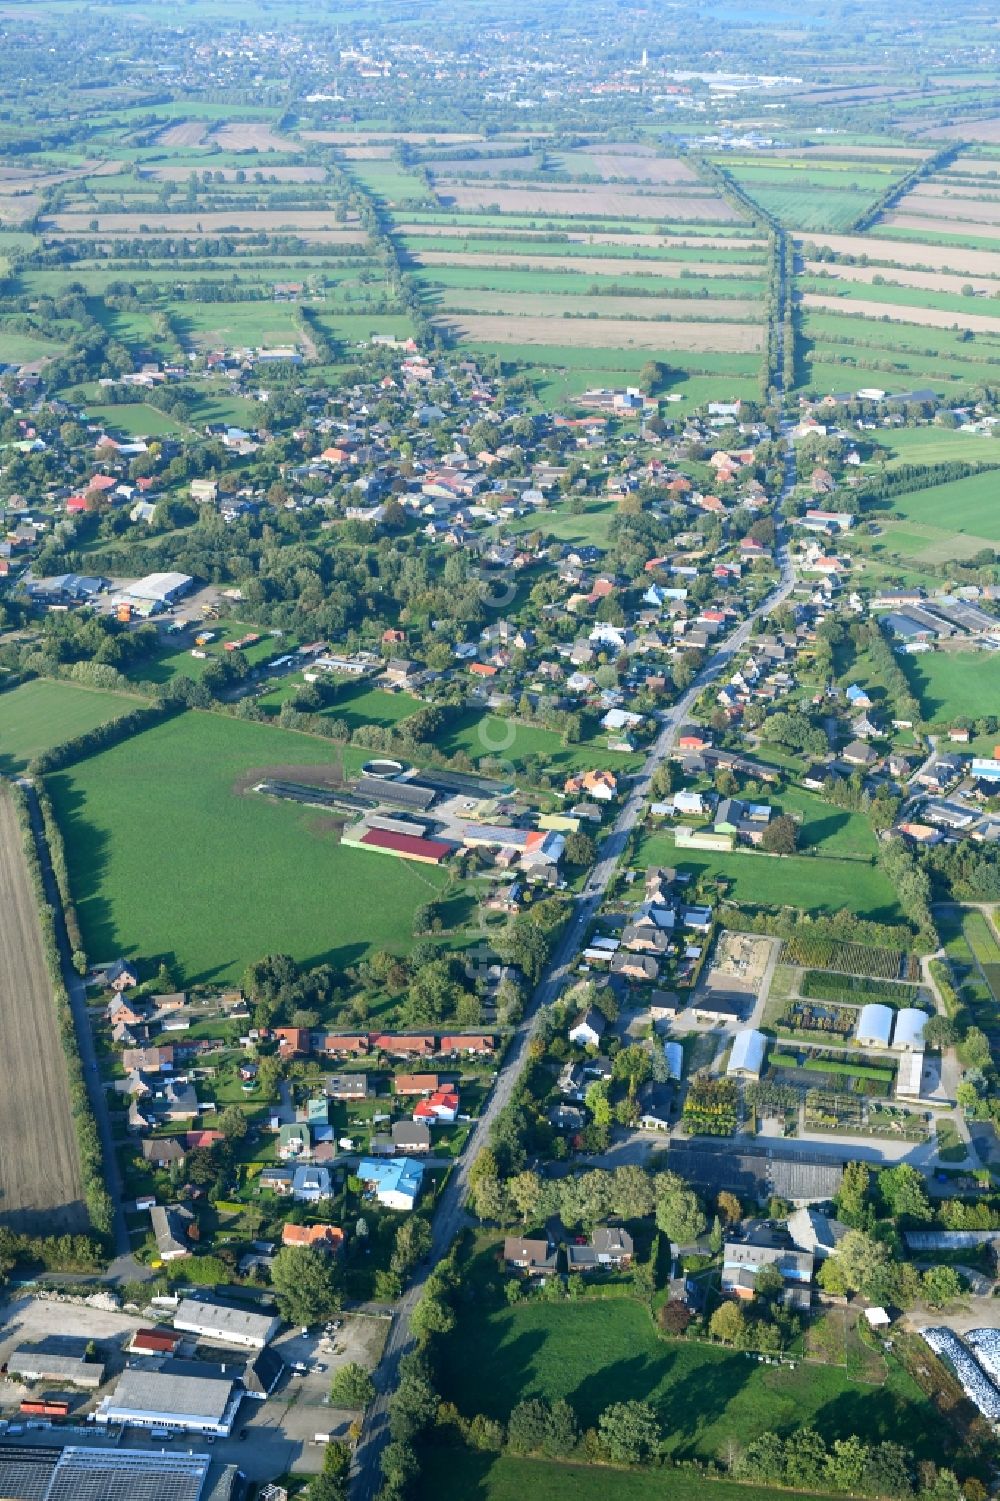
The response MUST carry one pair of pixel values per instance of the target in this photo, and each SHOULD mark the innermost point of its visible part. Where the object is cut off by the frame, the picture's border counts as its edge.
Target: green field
(962, 505)
(487, 735)
(356, 703)
(595, 1352)
(813, 884)
(935, 445)
(486, 1477)
(833, 831)
(167, 857)
(949, 684)
(41, 714)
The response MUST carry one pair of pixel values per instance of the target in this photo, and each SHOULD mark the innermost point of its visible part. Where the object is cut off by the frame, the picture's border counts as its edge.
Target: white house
(588, 1029)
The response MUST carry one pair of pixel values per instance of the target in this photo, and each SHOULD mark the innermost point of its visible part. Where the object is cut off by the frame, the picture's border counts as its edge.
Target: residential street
(450, 1216)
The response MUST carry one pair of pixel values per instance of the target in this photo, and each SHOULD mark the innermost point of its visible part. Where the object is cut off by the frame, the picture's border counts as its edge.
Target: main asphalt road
(450, 1216)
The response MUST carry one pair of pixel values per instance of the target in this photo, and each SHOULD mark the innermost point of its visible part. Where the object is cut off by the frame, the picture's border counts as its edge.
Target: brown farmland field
(925, 317)
(248, 220)
(969, 130)
(252, 135)
(902, 253)
(608, 333)
(928, 281)
(373, 137)
(949, 221)
(953, 207)
(186, 133)
(555, 304)
(590, 202)
(659, 169)
(40, 1188)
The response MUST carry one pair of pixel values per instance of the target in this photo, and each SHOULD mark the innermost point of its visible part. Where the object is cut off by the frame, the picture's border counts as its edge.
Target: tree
(716, 1237)
(598, 1102)
(525, 1190)
(728, 1324)
(528, 1426)
(413, 1240)
(941, 1285)
(352, 1386)
(902, 1190)
(858, 1260)
(678, 1210)
(852, 1195)
(331, 1483)
(768, 1283)
(729, 1207)
(580, 849)
(629, 1432)
(781, 836)
(233, 1123)
(940, 1032)
(674, 1317)
(305, 1280)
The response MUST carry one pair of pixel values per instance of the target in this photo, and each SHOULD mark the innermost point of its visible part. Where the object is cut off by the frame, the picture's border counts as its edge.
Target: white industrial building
(147, 1398)
(230, 1326)
(747, 1058)
(875, 1025)
(159, 588)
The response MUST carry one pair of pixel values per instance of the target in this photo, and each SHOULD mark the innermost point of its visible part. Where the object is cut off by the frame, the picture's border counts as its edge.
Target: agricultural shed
(747, 1057)
(875, 1025)
(909, 1033)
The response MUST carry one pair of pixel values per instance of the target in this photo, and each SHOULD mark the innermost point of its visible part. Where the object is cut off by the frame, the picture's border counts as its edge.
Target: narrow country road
(450, 1216)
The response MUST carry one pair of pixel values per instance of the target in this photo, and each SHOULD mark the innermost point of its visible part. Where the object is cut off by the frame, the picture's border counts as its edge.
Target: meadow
(950, 684)
(168, 857)
(488, 1477)
(41, 714)
(809, 883)
(963, 505)
(481, 736)
(593, 1352)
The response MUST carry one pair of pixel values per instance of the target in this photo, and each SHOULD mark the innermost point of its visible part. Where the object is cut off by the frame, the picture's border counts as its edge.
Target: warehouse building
(40, 1363)
(159, 589)
(150, 1398)
(228, 1325)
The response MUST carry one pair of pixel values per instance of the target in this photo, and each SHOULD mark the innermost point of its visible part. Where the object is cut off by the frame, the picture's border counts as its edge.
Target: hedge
(102, 738)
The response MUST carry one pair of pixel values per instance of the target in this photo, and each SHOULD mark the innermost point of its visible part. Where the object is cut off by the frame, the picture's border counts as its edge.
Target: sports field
(38, 715)
(594, 1352)
(169, 857)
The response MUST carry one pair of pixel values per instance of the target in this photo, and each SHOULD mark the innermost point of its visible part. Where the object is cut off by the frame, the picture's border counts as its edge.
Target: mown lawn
(38, 715)
(831, 831)
(811, 883)
(593, 1353)
(168, 858)
(488, 1477)
(355, 704)
(949, 684)
(484, 736)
